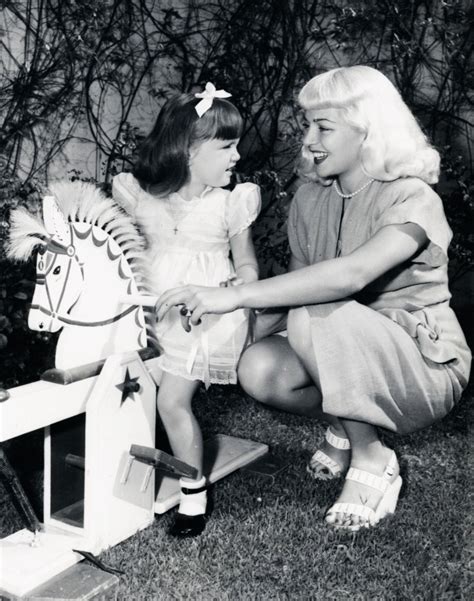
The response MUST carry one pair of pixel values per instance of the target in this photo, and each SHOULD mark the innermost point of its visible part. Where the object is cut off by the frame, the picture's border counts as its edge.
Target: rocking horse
(97, 406)
(89, 255)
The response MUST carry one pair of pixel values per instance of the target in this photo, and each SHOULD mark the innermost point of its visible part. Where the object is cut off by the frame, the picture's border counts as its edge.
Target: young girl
(372, 341)
(192, 225)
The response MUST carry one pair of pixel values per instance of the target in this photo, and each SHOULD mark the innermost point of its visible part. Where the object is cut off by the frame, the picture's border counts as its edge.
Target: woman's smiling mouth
(319, 157)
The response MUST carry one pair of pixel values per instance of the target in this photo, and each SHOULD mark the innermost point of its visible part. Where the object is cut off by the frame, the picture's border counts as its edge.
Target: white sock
(193, 503)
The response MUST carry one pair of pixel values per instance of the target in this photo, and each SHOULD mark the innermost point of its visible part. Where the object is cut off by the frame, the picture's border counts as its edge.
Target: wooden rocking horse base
(222, 456)
(80, 582)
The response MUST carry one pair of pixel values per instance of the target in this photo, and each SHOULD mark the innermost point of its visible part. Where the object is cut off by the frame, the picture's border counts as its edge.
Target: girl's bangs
(222, 122)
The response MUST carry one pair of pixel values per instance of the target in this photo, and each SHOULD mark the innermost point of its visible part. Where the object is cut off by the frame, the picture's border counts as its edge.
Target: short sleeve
(243, 207)
(125, 192)
(295, 232)
(413, 201)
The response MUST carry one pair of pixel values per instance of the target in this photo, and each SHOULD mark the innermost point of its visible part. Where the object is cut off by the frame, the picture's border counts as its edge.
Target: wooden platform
(80, 582)
(222, 456)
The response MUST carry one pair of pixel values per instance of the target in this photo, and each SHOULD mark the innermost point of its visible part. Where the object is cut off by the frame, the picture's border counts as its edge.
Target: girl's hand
(199, 300)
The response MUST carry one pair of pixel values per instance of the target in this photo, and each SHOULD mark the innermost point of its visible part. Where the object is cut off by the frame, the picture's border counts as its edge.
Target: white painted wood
(40, 404)
(138, 299)
(114, 511)
(47, 475)
(24, 565)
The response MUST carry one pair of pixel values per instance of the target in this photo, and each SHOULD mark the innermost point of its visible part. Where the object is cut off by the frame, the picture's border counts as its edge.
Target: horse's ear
(55, 222)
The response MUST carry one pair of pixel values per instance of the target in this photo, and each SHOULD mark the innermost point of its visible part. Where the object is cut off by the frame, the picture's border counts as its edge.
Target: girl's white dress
(189, 243)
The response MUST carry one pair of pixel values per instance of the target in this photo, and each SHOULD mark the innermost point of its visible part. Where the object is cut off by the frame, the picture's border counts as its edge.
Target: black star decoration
(128, 387)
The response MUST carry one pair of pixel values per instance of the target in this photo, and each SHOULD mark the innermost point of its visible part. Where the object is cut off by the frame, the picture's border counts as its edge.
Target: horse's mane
(86, 203)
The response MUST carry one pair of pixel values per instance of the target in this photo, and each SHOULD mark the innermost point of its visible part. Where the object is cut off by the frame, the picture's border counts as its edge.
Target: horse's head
(59, 274)
(90, 254)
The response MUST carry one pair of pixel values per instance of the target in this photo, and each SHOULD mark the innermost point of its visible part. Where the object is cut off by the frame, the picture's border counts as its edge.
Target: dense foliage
(66, 63)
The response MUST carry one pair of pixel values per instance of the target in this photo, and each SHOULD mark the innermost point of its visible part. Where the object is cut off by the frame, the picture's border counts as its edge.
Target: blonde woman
(372, 341)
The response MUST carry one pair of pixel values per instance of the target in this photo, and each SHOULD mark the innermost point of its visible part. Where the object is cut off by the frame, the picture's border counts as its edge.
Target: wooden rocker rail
(68, 376)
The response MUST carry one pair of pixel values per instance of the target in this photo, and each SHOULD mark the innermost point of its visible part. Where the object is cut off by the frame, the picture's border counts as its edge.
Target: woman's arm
(338, 278)
(243, 254)
(273, 319)
(326, 281)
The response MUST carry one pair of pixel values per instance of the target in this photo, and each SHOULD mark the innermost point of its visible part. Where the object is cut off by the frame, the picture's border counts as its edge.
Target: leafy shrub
(24, 354)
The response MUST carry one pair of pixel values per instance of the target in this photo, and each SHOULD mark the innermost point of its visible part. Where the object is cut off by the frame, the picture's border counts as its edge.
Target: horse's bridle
(56, 248)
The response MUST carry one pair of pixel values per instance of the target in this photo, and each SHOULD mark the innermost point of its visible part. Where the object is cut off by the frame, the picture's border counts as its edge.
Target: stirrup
(387, 504)
(331, 468)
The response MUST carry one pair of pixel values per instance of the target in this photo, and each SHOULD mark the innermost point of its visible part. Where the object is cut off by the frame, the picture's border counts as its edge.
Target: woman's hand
(199, 300)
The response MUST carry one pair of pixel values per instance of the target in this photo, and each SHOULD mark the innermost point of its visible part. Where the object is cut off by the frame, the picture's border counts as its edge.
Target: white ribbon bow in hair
(208, 96)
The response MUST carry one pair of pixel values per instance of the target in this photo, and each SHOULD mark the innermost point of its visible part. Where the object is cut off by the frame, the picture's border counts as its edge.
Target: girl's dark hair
(163, 157)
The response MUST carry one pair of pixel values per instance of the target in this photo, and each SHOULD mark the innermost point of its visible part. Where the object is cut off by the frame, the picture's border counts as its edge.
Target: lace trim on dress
(216, 376)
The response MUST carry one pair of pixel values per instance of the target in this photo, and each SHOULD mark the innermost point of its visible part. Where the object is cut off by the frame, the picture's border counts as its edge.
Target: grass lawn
(267, 539)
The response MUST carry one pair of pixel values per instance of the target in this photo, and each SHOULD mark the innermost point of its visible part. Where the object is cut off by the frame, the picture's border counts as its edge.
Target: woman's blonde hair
(394, 144)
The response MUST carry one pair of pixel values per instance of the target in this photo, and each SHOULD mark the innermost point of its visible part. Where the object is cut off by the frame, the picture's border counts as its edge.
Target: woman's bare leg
(300, 339)
(270, 372)
(367, 451)
(370, 455)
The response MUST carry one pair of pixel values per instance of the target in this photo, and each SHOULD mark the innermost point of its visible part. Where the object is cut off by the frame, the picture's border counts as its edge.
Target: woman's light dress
(394, 355)
(189, 243)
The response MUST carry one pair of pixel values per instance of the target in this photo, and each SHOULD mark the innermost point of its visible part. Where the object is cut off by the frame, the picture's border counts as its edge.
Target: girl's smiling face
(211, 162)
(334, 145)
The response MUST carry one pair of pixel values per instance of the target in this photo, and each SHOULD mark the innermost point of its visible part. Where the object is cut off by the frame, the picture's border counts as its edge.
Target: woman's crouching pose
(371, 339)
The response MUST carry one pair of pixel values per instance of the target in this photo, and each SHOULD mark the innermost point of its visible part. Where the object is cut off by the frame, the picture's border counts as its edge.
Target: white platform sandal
(323, 467)
(387, 504)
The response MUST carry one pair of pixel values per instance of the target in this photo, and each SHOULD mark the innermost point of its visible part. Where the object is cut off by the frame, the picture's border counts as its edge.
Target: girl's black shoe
(187, 526)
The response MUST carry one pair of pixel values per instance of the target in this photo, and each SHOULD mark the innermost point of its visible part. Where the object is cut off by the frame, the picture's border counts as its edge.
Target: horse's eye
(57, 270)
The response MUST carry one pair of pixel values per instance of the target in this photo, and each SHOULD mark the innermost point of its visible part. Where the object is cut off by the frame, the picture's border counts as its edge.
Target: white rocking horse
(90, 256)
(91, 284)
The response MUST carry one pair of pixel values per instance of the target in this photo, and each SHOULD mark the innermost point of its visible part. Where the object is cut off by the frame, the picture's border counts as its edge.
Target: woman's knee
(262, 367)
(257, 371)
(270, 370)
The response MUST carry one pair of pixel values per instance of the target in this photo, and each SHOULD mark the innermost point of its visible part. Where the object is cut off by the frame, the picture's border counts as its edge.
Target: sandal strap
(380, 483)
(320, 457)
(337, 442)
(353, 509)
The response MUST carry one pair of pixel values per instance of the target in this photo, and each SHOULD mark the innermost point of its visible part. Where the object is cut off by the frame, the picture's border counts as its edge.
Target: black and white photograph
(236, 300)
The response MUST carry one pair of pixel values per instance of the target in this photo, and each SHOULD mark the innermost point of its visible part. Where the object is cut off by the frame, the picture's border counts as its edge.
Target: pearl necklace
(339, 192)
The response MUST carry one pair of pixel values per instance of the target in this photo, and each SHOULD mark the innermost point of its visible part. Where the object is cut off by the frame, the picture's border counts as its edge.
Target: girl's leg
(175, 395)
